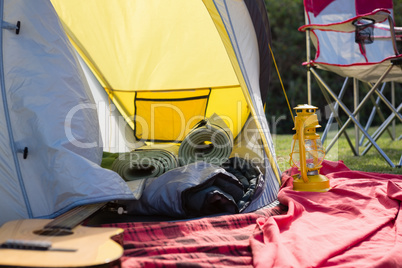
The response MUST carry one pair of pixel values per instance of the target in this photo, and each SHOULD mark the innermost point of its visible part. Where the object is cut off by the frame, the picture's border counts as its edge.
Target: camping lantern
(307, 152)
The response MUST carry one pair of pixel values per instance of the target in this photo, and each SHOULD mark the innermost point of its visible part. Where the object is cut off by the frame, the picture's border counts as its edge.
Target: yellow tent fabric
(183, 53)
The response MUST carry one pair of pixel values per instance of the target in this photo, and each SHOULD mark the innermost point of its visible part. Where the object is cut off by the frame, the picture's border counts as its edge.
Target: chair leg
(393, 104)
(382, 128)
(308, 55)
(375, 109)
(400, 160)
(352, 115)
(327, 98)
(356, 104)
(381, 115)
(399, 116)
(335, 108)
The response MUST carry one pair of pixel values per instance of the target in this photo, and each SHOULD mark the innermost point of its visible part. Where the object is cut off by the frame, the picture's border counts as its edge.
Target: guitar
(61, 242)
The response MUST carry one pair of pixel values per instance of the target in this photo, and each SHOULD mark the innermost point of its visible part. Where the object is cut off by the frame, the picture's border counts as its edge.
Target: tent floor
(106, 216)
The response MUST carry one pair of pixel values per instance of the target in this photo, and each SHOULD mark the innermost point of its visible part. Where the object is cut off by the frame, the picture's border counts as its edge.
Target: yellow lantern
(307, 152)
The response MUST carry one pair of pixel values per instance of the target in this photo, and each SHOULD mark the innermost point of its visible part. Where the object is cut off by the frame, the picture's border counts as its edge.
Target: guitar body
(92, 246)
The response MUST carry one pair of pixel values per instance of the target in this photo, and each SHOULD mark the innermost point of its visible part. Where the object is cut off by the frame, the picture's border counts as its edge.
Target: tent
(164, 65)
(50, 151)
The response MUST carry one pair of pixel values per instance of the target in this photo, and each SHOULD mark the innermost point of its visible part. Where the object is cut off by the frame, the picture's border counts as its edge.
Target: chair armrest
(378, 15)
(386, 27)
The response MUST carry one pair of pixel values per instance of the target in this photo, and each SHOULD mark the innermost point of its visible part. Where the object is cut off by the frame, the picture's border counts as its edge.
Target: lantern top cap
(305, 106)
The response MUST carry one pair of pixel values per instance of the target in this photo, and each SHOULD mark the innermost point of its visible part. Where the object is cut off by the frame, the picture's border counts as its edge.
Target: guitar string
(64, 220)
(75, 216)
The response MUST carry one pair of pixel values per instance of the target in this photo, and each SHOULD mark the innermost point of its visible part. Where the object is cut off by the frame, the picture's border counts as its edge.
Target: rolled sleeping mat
(146, 162)
(210, 140)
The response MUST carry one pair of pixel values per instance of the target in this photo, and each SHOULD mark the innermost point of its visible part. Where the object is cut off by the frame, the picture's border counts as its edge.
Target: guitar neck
(74, 217)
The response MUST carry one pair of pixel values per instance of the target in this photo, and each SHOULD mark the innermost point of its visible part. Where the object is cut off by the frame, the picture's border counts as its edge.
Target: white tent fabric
(51, 142)
(245, 44)
(117, 136)
(47, 112)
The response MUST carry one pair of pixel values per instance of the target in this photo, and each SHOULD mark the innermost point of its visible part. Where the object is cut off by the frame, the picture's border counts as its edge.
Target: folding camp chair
(356, 40)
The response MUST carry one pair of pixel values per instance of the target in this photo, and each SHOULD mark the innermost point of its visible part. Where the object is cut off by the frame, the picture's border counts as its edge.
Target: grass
(370, 162)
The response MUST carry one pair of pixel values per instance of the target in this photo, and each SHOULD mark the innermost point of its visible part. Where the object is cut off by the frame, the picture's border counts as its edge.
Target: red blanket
(355, 224)
(208, 242)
